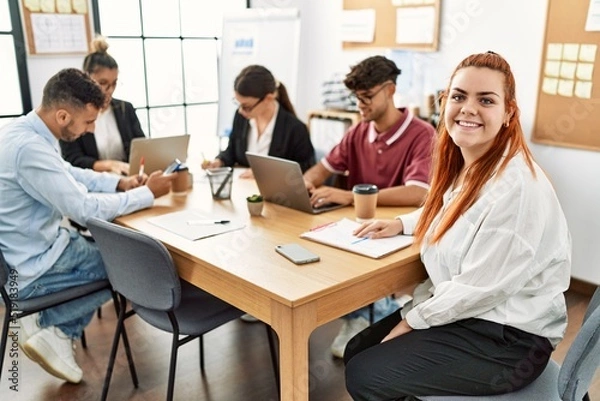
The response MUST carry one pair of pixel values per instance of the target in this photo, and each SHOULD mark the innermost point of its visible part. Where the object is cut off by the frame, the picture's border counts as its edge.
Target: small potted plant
(255, 204)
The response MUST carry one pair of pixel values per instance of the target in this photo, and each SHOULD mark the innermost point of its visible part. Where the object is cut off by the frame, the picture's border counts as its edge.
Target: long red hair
(448, 160)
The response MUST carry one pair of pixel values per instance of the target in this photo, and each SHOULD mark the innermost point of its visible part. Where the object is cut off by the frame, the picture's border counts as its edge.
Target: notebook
(158, 153)
(280, 181)
(339, 235)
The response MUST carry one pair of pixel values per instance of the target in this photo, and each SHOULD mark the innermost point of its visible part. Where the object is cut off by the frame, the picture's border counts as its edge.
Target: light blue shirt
(38, 188)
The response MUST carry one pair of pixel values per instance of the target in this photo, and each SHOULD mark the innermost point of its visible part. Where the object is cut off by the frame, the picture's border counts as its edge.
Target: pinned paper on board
(358, 25)
(569, 69)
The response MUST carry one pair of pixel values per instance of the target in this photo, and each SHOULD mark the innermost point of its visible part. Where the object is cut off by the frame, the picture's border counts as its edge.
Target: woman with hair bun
(107, 148)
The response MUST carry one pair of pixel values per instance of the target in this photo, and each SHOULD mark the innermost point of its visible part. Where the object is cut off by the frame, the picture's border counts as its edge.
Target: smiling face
(475, 110)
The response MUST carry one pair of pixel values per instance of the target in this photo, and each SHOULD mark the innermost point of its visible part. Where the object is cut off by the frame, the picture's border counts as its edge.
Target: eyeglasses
(367, 99)
(106, 86)
(245, 108)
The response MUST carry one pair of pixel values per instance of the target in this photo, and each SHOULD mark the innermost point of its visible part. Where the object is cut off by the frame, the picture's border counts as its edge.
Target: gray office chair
(569, 382)
(25, 307)
(141, 270)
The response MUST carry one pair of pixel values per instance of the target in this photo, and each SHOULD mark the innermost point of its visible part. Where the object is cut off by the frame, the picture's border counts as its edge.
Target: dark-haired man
(390, 148)
(38, 189)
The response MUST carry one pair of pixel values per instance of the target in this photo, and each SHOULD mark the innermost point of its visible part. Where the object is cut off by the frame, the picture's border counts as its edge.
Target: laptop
(280, 181)
(158, 153)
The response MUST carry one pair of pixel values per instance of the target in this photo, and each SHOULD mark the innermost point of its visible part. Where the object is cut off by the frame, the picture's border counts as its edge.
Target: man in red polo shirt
(390, 148)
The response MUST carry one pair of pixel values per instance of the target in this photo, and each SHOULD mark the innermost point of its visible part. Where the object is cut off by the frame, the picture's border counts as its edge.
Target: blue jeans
(382, 308)
(79, 264)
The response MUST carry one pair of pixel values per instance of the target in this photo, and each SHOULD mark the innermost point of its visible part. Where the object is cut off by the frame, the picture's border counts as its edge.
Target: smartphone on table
(297, 254)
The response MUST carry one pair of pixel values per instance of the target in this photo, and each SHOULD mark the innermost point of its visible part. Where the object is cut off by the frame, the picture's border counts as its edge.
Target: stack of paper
(339, 234)
(194, 225)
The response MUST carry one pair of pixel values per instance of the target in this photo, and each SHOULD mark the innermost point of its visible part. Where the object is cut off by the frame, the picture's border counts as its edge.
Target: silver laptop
(158, 153)
(280, 181)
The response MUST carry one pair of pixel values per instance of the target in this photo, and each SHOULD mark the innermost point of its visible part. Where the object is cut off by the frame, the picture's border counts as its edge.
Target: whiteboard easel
(266, 36)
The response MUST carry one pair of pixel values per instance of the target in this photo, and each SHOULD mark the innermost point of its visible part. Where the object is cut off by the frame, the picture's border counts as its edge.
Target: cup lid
(365, 189)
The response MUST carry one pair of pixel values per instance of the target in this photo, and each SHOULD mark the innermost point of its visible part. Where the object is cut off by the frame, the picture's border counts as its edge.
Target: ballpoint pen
(141, 172)
(206, 222)
(359, 240)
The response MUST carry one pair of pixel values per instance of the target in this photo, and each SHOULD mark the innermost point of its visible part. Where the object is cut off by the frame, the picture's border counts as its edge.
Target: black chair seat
(46, 301)
(198, 312)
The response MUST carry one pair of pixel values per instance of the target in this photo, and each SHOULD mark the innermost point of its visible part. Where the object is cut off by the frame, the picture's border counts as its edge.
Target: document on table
(339, 234)
(193, 225)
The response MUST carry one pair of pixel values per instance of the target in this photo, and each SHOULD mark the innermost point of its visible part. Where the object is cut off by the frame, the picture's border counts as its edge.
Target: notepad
(339, 235)
(185, 224)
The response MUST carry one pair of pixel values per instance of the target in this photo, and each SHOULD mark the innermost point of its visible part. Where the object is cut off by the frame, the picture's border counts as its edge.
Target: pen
(320, 227)
(359, 240)
(141, 172)
(206, 222)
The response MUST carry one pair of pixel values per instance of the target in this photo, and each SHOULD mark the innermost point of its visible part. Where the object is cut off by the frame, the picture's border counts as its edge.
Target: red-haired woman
(496, 246)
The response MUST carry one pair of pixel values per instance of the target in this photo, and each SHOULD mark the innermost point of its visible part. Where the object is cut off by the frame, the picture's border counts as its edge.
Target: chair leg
(83, 341)
(173, 363)
(4, 341)
(371, 314)
(132, 371)
(99, 313)
(113, 351)
(274, 359)
(201, 342)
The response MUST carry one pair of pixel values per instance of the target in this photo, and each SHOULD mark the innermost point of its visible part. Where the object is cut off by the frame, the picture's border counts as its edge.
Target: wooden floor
(237, 364)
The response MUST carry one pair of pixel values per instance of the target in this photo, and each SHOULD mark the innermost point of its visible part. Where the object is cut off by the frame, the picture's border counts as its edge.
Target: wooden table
(242, 268)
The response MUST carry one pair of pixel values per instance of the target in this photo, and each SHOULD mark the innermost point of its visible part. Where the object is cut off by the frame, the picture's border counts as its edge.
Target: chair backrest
(138, 266)
(583, 357)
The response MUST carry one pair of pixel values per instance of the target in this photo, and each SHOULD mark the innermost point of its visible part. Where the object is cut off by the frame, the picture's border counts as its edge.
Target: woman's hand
(401, 328)
(212, 164)
(380, 229)
(247, 174)
(112, 166)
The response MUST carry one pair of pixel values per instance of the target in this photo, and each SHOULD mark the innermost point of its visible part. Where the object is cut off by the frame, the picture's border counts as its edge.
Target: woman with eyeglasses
(107, 148)
(265, 122)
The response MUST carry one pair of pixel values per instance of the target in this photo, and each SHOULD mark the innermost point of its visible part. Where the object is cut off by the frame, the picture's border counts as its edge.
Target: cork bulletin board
(568, 107)
(56, 26)
(400, 24)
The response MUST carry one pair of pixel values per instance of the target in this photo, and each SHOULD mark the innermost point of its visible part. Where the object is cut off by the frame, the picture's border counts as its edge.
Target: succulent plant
(255, 198)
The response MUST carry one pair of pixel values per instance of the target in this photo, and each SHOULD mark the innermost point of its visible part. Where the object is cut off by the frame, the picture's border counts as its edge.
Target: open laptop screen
(158, 153)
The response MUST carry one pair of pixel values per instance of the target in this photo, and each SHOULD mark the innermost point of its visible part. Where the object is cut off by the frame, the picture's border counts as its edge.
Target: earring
(506, 124)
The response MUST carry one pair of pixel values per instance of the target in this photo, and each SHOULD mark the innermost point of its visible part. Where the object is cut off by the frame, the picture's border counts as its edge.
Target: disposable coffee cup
(181, 183)
(220, 180)
(365, 201)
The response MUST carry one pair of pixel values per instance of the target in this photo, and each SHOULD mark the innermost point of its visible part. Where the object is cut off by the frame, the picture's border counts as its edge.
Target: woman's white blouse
(507, 259)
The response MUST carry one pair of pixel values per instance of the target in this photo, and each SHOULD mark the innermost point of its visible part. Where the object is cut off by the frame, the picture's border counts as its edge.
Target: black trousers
(468, 357)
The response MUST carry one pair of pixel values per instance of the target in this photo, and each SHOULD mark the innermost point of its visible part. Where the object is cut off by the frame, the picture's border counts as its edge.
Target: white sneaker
(29, 326)
(246, 317)
(53, 351)
(349, 329)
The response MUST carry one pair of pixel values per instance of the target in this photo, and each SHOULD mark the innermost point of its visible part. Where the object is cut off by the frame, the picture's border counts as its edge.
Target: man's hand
(159, 183)
(401, 328)
(127, 183)
(324, 195)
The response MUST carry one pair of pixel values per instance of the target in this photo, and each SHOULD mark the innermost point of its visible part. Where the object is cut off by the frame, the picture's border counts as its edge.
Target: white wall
(513, 28)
